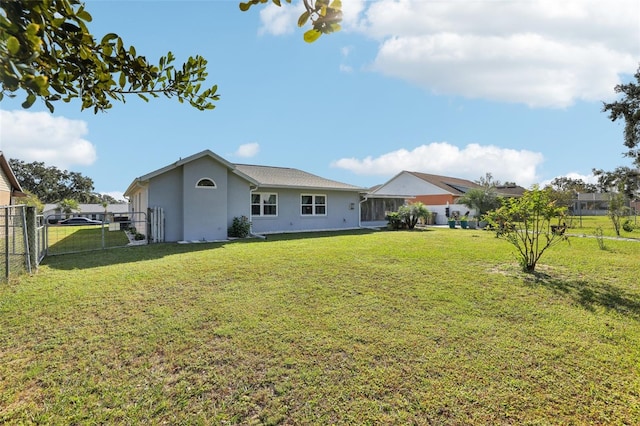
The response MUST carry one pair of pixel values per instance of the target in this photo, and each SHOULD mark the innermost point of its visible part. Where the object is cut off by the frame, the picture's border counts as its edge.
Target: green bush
(395, 221)
(240, 227)
(628, 226)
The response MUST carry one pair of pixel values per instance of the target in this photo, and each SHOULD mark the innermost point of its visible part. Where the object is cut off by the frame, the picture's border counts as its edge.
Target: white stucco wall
(407, 184)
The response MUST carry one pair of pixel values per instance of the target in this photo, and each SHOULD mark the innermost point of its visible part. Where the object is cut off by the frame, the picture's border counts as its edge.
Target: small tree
(32, 200)
(481, 200)
(526, 222)
(68, 206)
(617, 210)
(412, 213)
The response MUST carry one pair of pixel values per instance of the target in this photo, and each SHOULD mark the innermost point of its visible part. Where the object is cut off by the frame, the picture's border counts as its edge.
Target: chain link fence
(76, 234)
(18, 242)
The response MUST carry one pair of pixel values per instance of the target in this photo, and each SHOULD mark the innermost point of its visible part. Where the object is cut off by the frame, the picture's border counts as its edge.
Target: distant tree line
(50, 185)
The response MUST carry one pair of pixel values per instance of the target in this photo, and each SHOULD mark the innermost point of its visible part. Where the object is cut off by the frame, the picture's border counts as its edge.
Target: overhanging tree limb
(47, 51)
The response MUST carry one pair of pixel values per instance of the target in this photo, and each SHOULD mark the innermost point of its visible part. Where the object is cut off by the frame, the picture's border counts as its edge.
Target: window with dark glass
(263, 204)
(313, 204)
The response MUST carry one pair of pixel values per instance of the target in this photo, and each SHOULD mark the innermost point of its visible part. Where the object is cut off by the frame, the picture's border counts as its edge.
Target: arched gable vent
(206, 183)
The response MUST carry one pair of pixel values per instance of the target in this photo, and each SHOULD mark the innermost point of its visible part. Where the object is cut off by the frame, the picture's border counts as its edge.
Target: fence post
(6, 243)
(32, 230)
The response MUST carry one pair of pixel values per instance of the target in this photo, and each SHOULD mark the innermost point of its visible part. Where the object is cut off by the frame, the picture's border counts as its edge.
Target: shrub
(395, 221)
(411, 214)
(525, 222)
(240, 227)
(617, 210)
(628, 226)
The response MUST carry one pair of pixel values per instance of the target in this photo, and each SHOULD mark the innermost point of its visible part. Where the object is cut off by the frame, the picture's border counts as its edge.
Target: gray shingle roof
(452, 185)
(284, 177)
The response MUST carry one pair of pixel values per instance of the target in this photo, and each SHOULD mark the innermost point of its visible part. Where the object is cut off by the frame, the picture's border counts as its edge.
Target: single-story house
(10, 188)
(597, 204)
(52, 212)
(196, 199)
(440, 194)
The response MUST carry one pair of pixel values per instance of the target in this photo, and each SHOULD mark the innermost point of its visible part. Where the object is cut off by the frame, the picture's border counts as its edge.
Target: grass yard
(70, 239)
(423, 327)
(587, 225)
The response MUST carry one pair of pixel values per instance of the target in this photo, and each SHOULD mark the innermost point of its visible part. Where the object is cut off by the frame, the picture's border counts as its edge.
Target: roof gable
(454, 186)
(6, 169)
(408, 183)
(182, 161)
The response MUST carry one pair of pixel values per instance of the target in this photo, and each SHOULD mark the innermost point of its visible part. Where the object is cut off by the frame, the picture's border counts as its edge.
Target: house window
(206, 183)
(263, 204)
(313, 205)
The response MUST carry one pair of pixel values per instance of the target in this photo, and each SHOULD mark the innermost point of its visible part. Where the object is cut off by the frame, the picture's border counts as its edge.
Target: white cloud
(345, 68)
(442, 158)
(279, 20)
(284, 20)
(40, 136)
(248, 150)
(542, 53)
(590, 178)
(118, 195)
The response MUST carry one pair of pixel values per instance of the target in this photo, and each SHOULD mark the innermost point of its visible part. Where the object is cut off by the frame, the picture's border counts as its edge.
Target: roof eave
(311, 188)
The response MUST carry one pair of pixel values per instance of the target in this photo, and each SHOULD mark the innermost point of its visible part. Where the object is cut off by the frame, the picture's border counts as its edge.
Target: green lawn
(424, 327)
(71, 239)
(587, 226)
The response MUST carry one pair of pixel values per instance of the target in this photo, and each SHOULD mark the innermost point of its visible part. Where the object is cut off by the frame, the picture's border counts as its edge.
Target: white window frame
(314, 205)
(206, 186)
(264, 196)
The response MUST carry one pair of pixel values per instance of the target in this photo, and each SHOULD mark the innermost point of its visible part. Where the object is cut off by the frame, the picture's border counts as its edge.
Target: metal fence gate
(70, 234)
(18, 245)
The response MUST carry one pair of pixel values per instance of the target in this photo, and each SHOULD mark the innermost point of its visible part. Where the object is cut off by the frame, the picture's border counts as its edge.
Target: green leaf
(84, 15)
(312, 35)
(29, 101)
(108, 37)
(13, 45)
(244, 6)
(32, 29)
(42, 85)
(303, 18)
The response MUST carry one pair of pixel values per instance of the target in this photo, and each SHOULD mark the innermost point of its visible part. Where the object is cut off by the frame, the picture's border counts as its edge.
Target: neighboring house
(199, 196)
(52, 212)
(510, 191)
(440, 194)
(595, 204)
(10, 188)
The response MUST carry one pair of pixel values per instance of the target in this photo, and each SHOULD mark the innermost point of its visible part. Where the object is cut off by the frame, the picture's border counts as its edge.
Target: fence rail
(26, 238)
(112, 230)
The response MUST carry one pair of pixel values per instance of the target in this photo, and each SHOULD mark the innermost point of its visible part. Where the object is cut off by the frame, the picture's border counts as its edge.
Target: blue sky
(457, 88)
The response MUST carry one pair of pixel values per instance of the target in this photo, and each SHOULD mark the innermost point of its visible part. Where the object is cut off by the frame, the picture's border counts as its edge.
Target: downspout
(251, 190)
(365, 198)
